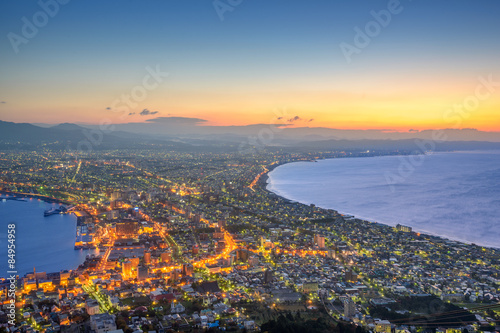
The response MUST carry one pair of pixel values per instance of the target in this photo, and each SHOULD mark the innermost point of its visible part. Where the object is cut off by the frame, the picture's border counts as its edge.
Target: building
(142, 273)
(166, 256)
(242, 254)
(92, 307)
(187, 269)
(310, 287)
(127, 228)
(127, 269)
(116, 195)
(351, 276)
(102, 323)
(268, 276)
(64, 276)
(253, 261)
(403, 228)
(349, 308)
(320, 241)
(382, 326)
(176, 307)
(147, 257)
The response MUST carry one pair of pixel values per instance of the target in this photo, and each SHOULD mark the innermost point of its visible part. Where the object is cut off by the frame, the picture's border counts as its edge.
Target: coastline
(266, 180)
(34, 196)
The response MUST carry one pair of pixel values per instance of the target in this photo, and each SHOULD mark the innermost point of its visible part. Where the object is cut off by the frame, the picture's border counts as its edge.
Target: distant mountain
(413, 145)
(71, 136)
(67, 127)
(21, 132)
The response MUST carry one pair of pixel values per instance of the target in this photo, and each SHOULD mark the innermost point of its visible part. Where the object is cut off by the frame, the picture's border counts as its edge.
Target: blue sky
(91, 51)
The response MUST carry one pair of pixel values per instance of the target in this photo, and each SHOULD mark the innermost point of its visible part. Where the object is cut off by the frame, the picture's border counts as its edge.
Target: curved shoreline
(34, 196)
(266, 180)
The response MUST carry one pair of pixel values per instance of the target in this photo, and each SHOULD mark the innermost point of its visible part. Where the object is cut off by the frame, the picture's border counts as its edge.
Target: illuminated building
(320, 241)
(187, 269)
(116, 195)
(64, 276)
(147, 257)
(166, 256)
(135, 261)
(126, 269)
(242, 255)
(403, 228)
(91, 306)
(127, 228)
(383, 326)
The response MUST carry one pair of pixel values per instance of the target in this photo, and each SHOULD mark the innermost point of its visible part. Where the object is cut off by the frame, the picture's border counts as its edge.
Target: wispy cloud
(146, 112)
(177, 120)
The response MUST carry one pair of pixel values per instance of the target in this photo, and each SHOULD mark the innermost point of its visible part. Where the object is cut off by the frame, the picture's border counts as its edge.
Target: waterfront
(453, 195)
(46, 243)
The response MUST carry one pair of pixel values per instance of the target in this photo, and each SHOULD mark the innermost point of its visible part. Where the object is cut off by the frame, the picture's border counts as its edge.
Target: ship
(53, 211)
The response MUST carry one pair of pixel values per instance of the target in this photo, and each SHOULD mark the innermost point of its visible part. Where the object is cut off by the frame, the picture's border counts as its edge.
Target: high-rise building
(147, 257)
(349, 308)
(134, 261)
(187, 269)
(242, 255)
(126, 269)
(268, 276)
(116, 195)
(320, 241)
(142, 273)
(166, 256)
(351, 276)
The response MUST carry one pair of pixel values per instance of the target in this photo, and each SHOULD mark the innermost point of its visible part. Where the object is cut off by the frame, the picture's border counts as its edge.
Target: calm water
(44, 242)
(454, 195)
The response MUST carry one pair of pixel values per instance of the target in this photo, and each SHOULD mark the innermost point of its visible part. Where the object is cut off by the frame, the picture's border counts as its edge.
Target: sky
(387, 65)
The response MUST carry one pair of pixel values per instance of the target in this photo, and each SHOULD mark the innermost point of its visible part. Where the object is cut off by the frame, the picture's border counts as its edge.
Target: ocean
(46, 243)
(452, 195)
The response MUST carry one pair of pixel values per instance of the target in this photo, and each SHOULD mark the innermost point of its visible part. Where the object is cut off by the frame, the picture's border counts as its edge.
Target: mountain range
(196, 137)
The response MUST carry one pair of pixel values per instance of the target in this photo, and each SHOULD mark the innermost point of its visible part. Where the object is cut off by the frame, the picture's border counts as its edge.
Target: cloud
(146, 112)
(279, 118)
(179, 121)
(296, 118)
(3, 102)
(310, 120)
(413, 131)
(108, 108)
(131, 113)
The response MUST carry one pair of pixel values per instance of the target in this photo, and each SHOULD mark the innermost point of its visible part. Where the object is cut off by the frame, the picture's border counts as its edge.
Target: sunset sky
(263, 55)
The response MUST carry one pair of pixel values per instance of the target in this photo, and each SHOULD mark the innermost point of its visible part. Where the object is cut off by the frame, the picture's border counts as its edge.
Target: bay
(46, 243)
(453, 195)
